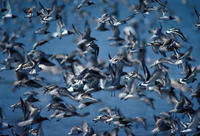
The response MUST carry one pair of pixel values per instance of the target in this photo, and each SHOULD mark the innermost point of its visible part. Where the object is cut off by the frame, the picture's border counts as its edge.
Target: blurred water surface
(131, 107)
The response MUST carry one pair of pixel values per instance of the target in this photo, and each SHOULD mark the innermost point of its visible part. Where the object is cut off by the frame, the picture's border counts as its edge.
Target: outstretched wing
(87, 29)
(76, 31)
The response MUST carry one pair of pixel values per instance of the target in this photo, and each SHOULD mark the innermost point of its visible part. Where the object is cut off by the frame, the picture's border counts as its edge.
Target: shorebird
(95, 47)
(27, 83)
(85, 75)
(75, 130)
(58, 91)
(84, 2)
(45, 13)
(190, 77)
(3, 123)
(9, 11)
(37, 131)
(128, 131)
(84, 38)
(64, 110)
(61, 29)
(115, 22)
(198, 17)
(165, 17)
(42, 30)
(34, 117)
(41, 42)
(193, 126)
(29, 13)
(163, 124)
(40, 57)
(31, 67)
(134, 75)
(101, 22)
(115, 33)
(196, 93)
(7, 64)
(148, 101)
(178, 32)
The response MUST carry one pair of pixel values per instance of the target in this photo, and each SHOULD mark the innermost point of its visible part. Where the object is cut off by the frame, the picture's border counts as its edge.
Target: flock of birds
(84, 73)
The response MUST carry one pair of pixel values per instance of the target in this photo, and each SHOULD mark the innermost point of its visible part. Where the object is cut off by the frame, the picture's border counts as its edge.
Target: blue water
(131, 107)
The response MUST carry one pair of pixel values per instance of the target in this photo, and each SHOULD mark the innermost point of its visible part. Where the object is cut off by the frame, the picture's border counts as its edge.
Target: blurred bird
(84, 2)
